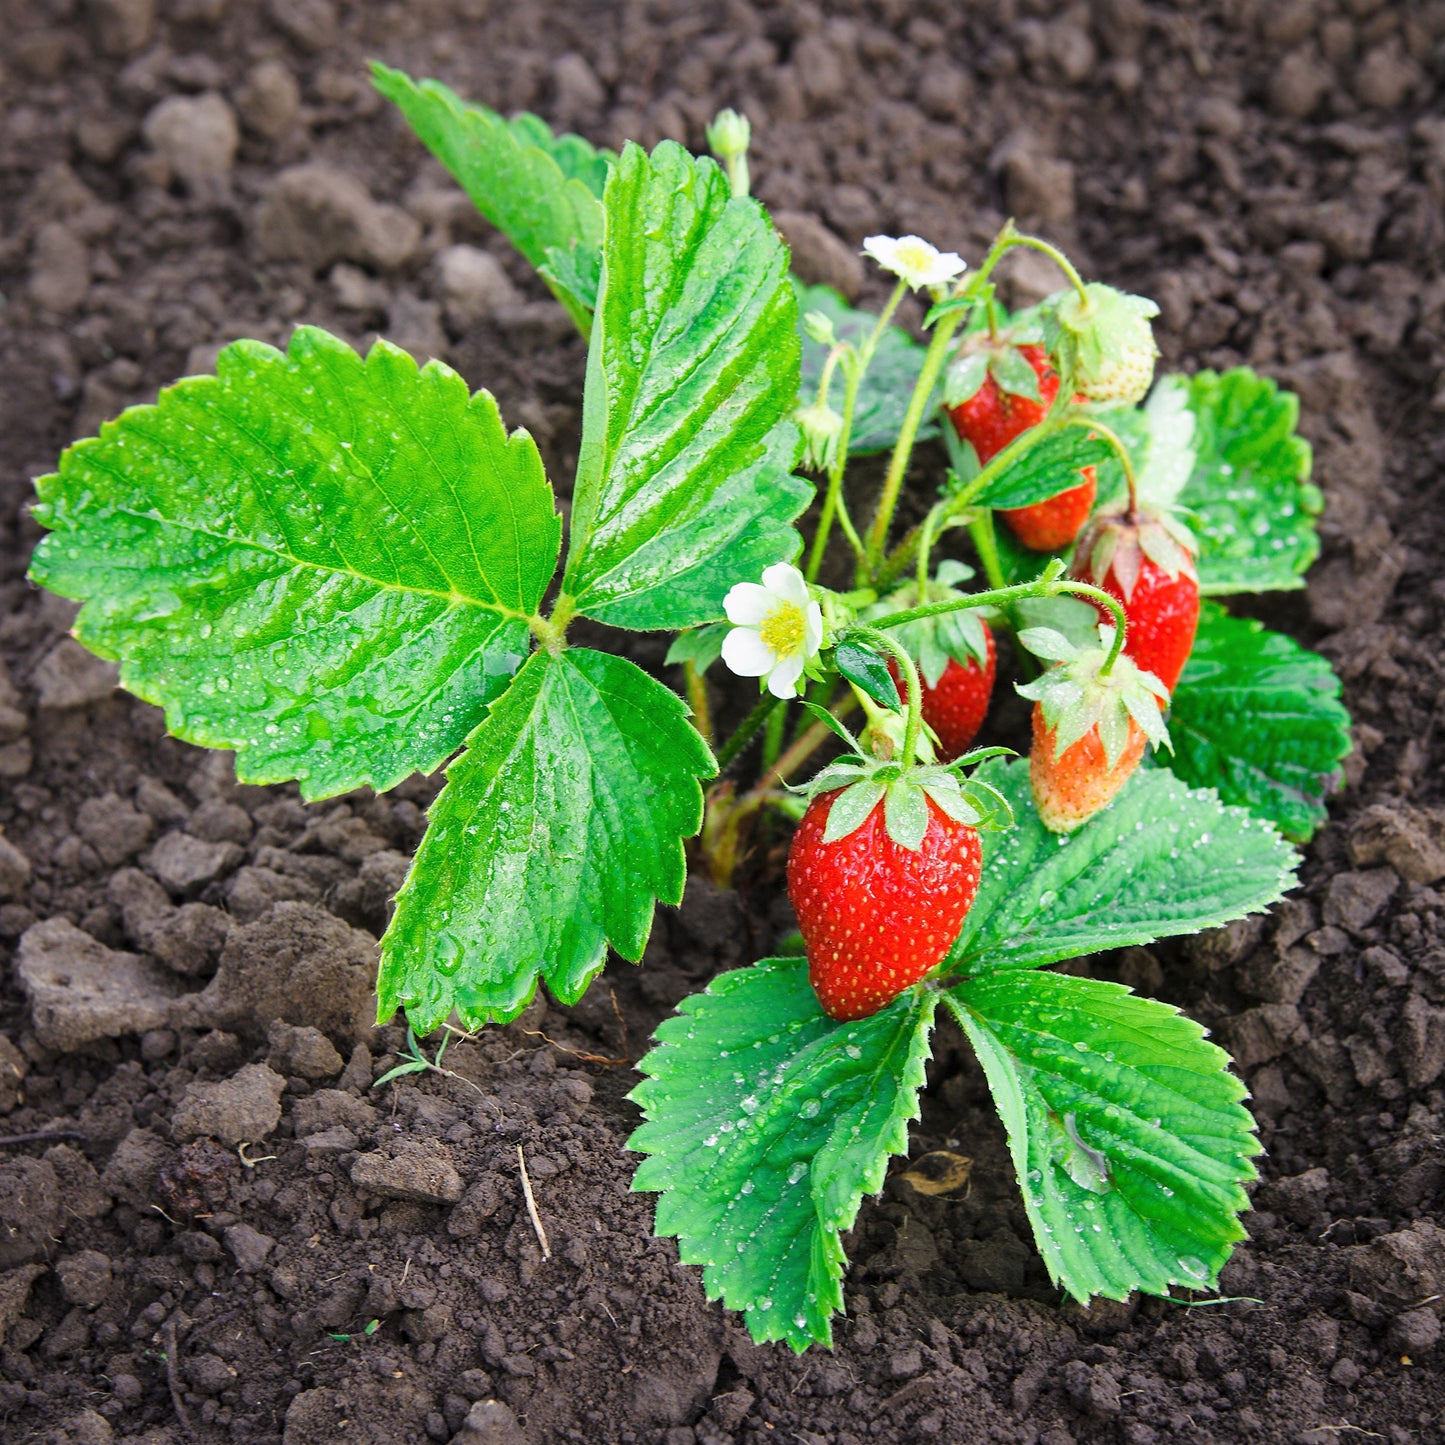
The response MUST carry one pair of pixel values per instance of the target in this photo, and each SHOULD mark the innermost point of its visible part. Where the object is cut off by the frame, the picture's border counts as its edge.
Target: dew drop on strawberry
(876, 917)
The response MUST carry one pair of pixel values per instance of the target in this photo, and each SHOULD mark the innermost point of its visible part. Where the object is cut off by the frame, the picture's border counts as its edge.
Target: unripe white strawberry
(1105, 337)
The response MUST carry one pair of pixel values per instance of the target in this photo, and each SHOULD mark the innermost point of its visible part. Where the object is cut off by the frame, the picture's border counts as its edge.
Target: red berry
(1050, 526)
(876, 916)
(1069, 789)
(1161, 602)
(990, 419)
(956, 707)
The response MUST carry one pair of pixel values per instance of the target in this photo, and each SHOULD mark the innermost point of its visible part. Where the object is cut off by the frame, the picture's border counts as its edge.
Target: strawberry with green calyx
(996, 394)
(882, 872)
(956, 659)
(1103, 340)
(1093, 713)
(1145, 560)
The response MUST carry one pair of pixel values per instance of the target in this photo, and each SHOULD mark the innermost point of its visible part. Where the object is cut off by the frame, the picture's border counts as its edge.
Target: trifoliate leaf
(541, 190)
(1125, 1125)
(321, 561)
(683, 482)
(767, 1123)
(557, 830)
(1259, 718)
(1252, 505)
(1161, 859)
(887, 385)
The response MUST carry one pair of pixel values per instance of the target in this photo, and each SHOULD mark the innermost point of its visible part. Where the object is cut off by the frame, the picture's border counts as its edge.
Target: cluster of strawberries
(877, 915)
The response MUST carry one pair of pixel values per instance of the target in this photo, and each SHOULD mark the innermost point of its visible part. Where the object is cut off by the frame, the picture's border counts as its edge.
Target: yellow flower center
(784, 630)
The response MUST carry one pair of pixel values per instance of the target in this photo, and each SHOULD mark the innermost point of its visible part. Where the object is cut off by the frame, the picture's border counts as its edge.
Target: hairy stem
(907, 434)
(833, 504)
(909, 670)
(698, 699)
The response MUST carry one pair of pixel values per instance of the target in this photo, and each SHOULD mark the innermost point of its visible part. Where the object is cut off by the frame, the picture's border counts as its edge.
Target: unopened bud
(729, 135)
(822, 427)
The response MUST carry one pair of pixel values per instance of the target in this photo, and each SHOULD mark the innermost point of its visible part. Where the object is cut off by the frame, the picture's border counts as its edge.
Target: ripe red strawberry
(1070, 787)
(1090, 725)
(875, 915)
(1051, 525)
(956, 705)
(1144, 561)
(991, 418)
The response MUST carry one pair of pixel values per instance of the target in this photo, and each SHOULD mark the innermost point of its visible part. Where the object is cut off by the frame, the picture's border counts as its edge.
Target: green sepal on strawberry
(956, 657)
(1145, 560)
(882, 872)
(1104, 342)
(994, 395)
(1090, 727)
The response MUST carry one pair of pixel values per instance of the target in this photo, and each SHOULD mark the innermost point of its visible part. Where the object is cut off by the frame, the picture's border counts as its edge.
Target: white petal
(813, 615)
(747, 604)
(783, 680)
(882, 249)
(786, 583)
(746, 653)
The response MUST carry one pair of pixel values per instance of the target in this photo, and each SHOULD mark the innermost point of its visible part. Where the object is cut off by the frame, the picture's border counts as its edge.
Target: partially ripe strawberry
(877, 916)
(1069, 787)
(1090, 725)
(956, 704)
(1145, 561)
(993, 416)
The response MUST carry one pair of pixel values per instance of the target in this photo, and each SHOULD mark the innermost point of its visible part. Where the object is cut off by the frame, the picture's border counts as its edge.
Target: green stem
(925, 546)
(773, 737)
(1121, 621)
(1037, 243)
(697, 698)
(985, 542)
(833, 504)
(746, 730)
(898, 464)
(739, 179)
(909, 670)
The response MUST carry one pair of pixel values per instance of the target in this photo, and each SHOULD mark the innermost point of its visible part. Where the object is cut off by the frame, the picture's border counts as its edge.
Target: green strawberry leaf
(683, 482)
(557, 829)
(1253, 507)
(1162, 859)
(863, 666)
(701, 646)
(1259, 718)
(1044, 469)
(767, 1123)
(1127, 1130)
(542, 191)
(888, 383)
(324, 562)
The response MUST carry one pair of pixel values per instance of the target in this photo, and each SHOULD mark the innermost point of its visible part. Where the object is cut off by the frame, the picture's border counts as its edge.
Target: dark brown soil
(1273, 171)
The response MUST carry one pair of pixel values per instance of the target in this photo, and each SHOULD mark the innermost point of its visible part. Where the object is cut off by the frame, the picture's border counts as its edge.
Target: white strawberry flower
(777, 629)
(913, 260)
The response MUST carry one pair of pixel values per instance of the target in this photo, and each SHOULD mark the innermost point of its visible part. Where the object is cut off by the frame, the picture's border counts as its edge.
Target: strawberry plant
(347, 569)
